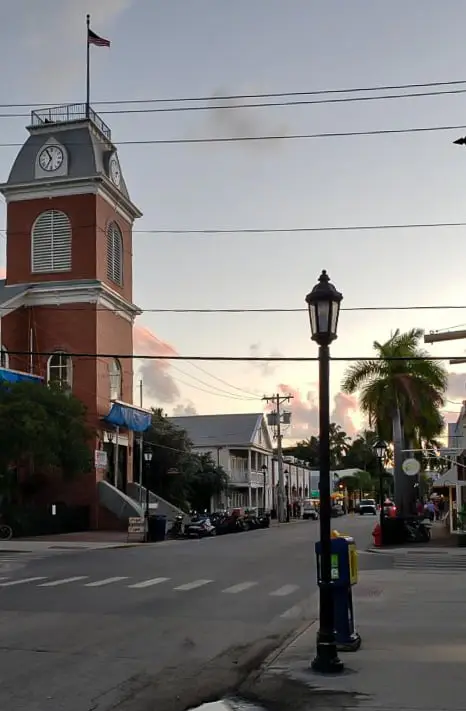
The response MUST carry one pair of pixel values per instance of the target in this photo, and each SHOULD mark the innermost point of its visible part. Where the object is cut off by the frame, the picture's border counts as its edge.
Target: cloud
(188, 408)
(264, 367)
(157, 381)
(305, 412)
(239, 122)
(456, 386)
(344, 406)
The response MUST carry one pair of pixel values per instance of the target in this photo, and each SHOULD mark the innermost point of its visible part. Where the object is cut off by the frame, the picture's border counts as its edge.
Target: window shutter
(114, 254)
(51, 242)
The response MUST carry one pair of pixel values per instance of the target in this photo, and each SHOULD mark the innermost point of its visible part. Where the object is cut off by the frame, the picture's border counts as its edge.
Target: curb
(287, 640)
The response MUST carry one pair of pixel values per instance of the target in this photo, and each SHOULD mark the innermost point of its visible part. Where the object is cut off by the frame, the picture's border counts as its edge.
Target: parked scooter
(177, 530)
(418, 530)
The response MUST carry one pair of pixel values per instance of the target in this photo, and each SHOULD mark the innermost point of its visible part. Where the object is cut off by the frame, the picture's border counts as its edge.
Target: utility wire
(274, 230)
(244, 359)
(231, 97)
(432, 307)
(279, 137)
(261, 104)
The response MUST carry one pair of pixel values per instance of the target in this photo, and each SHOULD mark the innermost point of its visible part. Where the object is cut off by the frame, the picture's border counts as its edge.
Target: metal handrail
(67, 114)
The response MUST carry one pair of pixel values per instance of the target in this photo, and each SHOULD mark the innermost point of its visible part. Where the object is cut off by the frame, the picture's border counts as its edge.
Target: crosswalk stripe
(148, 583)
(193, 585)
(106, 581)
(239, 588)
(63, 581)
(22, 582)
(285, 590)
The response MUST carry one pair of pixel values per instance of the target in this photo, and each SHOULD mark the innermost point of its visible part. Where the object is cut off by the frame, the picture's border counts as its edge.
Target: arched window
(51, 242)
(4, 358)
(114, 254)
(114, 374)
(60, 370)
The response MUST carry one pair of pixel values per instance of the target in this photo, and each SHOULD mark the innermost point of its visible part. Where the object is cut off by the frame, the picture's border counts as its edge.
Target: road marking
(293, 613)
(193, 585)
(148, 583)
(239, 588)
(105, 581)
(63, 581)
(285, 590)
(22, 582)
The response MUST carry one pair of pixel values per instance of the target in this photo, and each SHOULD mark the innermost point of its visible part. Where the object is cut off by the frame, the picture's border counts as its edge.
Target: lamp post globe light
(147, 461)
(324, 309)
(380, 451)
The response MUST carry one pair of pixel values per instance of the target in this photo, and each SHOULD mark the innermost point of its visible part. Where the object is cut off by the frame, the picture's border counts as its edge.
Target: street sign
(136, 528)
(315, 494)
(411, 467)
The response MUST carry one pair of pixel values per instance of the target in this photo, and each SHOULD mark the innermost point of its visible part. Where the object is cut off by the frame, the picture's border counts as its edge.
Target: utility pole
(277, 400)
(141, 446)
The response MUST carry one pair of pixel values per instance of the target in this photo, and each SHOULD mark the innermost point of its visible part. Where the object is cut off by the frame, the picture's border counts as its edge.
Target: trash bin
(157, 528)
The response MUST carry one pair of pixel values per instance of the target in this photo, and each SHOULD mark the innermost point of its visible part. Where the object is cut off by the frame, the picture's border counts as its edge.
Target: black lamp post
(287, 496)
(324, 308)
(147, 461)
(380, 449)
(264, 482)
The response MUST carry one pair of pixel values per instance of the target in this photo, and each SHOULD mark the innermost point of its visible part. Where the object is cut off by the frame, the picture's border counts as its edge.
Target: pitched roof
(9, 292)
(219, 430)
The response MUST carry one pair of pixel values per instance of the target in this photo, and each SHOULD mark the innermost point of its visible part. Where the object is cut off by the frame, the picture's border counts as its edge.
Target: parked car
(368, 506)
(200, 527)
(310, 510)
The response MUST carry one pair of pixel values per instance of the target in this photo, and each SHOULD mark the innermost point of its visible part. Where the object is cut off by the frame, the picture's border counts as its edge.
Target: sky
(209, 48)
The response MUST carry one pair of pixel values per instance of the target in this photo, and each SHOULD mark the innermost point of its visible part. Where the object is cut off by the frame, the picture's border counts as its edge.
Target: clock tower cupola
(69, 264)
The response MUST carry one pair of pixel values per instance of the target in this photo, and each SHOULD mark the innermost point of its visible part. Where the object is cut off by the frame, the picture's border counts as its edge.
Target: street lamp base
(326, 660)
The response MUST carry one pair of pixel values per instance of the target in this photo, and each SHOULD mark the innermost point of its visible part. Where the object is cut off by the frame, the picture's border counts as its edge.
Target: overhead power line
(238, 359)
(263, 310)
(262, 138)
(236, 97)
(261, 104)
(209, 231)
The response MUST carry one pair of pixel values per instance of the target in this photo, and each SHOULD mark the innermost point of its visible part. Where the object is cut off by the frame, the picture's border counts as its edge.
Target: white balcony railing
(241, 476)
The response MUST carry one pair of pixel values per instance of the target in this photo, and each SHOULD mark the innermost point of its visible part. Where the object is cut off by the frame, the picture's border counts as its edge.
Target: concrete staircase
(163, 507)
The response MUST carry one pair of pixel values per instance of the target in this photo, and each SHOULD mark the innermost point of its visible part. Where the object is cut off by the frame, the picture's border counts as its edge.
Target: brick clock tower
(68, 286)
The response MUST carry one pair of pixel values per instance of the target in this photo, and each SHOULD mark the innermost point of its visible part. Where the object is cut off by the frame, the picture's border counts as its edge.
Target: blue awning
(16, 376)
(133, 418)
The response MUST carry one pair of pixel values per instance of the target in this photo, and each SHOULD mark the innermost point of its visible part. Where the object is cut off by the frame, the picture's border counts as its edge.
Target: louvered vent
(51, 242)
(114, 254)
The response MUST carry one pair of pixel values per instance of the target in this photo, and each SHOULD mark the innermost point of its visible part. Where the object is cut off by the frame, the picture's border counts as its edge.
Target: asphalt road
(107, 629)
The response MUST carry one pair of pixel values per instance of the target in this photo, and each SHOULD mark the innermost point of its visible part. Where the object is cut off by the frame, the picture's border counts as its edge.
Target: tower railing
(69, 113)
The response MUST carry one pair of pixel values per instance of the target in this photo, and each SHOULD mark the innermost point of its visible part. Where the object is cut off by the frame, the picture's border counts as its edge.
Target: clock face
(51, 158)
(115, 172)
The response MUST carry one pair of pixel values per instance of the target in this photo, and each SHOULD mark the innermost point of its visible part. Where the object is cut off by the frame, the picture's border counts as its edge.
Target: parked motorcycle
(177, 530)
(200, 527)
(418, 530)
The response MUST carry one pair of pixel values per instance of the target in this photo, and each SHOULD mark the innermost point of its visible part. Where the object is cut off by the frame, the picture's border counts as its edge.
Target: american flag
(92, 38)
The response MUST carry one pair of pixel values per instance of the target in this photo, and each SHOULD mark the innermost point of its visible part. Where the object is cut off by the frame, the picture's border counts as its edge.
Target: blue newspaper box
(344, 574)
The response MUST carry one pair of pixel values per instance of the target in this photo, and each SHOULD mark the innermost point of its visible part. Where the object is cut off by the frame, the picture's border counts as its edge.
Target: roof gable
(221, 430)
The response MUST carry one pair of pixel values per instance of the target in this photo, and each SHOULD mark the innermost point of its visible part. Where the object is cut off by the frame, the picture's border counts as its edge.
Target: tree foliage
(401, 393)
(178, 474)
(42, 431)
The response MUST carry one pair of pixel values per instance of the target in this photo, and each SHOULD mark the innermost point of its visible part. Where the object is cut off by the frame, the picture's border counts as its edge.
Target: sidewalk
(413, 654)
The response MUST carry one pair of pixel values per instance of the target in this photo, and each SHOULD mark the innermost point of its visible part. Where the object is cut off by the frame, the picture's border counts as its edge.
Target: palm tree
(401, 398)
(339, 444)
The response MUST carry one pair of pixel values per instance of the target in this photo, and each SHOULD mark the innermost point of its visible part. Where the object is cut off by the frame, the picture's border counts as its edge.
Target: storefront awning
(133, 418)
(16, 376)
